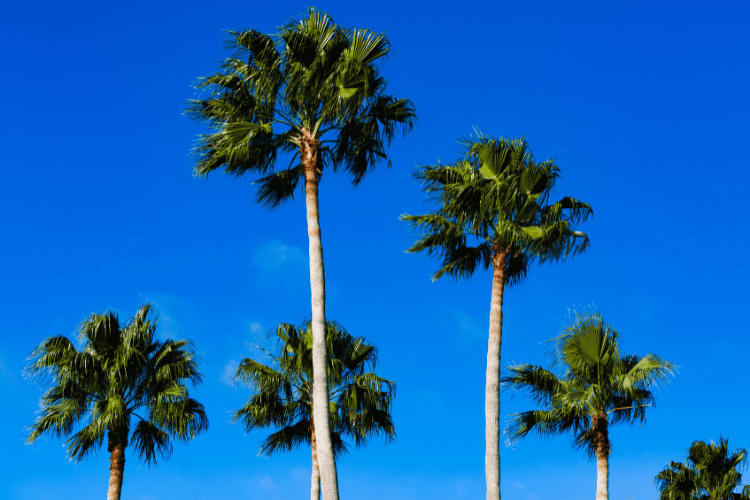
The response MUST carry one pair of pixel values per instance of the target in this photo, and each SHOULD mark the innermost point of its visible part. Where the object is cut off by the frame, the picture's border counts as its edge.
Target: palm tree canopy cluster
(312, 92)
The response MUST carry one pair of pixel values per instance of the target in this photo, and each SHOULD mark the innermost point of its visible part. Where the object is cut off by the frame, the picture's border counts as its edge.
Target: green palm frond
(287, 438)
(588, 347)
(86, 441)
(542, 385)
(148, 440)
(543, 422)
(277, 188)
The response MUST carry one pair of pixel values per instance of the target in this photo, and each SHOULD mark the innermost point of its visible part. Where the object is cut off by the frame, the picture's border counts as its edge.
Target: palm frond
(85, 441)
(148, 440)
(279, 187)
(288, 438)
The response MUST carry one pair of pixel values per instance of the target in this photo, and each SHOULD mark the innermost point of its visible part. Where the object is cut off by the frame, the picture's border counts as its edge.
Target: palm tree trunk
(601, 437)
(315, 486)
(116, 448)
(309, 156)
(492, 386)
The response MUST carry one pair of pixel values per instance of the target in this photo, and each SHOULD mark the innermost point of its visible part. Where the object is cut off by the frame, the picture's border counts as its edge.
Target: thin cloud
(275, 255)
(227, 373)
(468, 327)
(280, 265)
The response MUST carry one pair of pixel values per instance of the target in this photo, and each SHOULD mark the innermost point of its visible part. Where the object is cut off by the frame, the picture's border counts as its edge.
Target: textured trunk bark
(309, 155)
(116, 448)
(492, 386)
(315, 483)
(601, 434)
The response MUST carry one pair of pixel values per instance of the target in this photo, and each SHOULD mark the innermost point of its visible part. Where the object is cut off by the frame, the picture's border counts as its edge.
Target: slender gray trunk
(492, 386)
(315, 481)
(309, 156)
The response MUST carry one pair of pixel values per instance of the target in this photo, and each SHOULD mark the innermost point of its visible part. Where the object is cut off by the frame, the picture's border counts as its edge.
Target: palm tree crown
(599, 387)
(312, 89)
(710, 473)
(120, 371)
(357, 405)
(493, 204)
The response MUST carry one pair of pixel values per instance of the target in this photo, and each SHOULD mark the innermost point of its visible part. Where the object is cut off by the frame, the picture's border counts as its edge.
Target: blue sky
(644, 106)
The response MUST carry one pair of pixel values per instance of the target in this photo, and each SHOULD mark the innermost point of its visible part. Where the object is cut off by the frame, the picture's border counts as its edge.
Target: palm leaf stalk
(312, 90)
(119, 372)
(598, 388)
(359, 403)
(711, 472)
(493, 213)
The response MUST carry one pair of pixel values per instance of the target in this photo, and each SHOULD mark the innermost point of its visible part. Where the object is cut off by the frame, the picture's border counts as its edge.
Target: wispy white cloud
(170, 307)
(275, 255)
(302, 474)
(227, 373)
(267, 483)
(467, 326)
(9, 379)
(518, 484)
(280, 264)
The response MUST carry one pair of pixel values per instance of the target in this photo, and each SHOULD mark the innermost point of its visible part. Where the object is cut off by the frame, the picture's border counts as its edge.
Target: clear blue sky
(645, 108)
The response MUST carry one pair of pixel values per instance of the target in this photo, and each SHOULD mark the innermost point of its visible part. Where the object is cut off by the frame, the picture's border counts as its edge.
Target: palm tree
(598, 384)
(118, 372)
(312, 89)
(356, 405)
(496, 199)
(711, 473)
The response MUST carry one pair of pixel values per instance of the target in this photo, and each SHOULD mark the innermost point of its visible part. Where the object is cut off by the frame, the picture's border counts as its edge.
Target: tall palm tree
(495, 198)
(312, 89)
(357, 407)
(598, 384)
(120, 371)
(711, 473)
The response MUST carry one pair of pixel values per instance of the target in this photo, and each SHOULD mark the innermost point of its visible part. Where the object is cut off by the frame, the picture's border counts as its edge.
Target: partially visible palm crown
(312, 84)
(493, 201)
(710, 473)
(597, 382)
(120, 371)
(357, 406)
